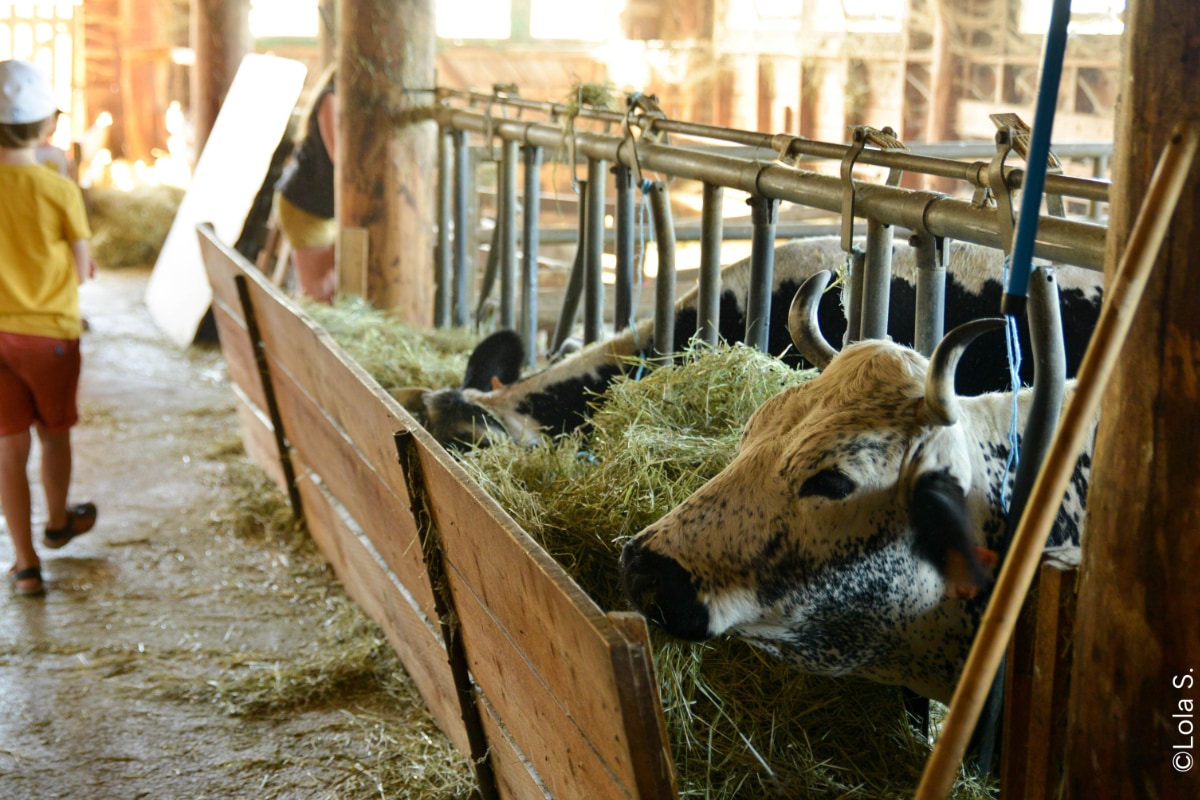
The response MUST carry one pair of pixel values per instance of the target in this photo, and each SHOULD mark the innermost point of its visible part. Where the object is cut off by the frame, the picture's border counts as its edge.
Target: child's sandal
(80, 519)
(30, 574)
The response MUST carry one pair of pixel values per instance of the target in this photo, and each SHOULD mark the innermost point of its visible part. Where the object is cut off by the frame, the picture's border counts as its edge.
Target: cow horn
(941, 403)
(802, 321)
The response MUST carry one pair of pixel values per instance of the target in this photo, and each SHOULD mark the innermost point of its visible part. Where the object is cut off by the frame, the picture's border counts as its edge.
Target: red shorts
(38, 380)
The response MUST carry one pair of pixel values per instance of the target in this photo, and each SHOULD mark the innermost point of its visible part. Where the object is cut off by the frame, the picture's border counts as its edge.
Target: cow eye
(830, 483)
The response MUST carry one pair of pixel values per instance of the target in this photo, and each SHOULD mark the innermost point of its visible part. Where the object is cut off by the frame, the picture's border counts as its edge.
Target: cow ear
(497, 358)
(942, 535)
(412, 398)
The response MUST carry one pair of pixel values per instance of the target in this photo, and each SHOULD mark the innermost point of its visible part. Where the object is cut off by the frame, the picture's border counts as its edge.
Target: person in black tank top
(304, 195)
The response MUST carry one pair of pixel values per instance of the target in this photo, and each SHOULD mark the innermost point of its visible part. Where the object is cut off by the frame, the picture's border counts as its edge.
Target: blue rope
(1013, 347)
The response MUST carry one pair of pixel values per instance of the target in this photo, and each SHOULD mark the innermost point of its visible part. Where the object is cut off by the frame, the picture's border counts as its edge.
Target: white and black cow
(854, 531)
(494, 401)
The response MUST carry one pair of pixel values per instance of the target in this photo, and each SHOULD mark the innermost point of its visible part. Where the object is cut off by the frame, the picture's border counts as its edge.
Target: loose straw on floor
(1122, 297)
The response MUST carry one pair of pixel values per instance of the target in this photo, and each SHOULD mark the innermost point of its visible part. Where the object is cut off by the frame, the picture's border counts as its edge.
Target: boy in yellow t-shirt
(44, 256)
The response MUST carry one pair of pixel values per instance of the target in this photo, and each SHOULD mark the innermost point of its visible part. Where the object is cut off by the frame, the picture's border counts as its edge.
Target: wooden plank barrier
(1037, 677)
(565, 694)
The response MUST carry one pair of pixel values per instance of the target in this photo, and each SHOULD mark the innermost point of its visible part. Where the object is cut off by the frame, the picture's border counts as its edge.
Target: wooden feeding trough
(546, 692)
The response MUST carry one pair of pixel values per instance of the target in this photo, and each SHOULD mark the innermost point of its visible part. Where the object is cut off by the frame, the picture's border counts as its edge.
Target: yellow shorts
(302, 229)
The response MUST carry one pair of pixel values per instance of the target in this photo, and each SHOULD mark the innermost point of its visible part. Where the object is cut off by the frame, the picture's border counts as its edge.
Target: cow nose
(661, 589)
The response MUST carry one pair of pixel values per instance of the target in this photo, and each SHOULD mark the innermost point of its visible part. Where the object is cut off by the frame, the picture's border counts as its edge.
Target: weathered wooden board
(258, 439)
(240, 361)
(1036, 694)
(559, 749)
(375, 590)
(514, 780)
(367, 414)
(381, 511)
(535, 638)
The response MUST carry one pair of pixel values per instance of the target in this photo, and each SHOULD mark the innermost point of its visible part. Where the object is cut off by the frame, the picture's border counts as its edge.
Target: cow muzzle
(664, 592)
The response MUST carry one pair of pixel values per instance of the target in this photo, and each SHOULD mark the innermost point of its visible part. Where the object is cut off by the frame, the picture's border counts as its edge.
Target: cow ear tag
(962, 576)
(942, 535)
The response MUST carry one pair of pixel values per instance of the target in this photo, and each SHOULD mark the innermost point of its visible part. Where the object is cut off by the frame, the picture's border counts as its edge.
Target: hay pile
(652, 443)
(396, 355)
(130, 227)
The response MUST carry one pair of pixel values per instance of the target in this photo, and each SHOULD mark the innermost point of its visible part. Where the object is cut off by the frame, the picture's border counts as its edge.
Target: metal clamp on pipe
(856, 147)
(1000, 192)
(1020, 136)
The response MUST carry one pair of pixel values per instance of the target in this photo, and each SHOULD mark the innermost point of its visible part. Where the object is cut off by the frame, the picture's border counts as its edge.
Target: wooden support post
(387, 156)
(1039, 666)
(220, 38)
(352, 259)
(1136, 679)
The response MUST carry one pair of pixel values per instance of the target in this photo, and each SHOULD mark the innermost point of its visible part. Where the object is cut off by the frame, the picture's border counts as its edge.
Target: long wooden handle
(1121, 298)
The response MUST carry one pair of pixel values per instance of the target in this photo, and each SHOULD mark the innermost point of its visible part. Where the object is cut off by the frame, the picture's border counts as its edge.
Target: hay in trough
(396, 355)
(130, 227)
(782, 733)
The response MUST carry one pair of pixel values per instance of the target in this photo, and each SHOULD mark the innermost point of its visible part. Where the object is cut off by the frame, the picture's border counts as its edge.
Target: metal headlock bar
(936, 160)
(1064, 241)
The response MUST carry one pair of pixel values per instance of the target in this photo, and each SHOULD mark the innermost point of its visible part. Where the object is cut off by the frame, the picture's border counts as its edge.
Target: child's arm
(85, 267)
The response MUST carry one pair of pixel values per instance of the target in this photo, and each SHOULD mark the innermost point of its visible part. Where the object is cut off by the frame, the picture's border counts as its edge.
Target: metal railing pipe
(764, 213)
(795, 146)
(593, 254)
(532, 157)
(506, 219)
(708, 300)
(1064, 241)
(877, 280)
(444, 264)
(856, 263)
(625, 233)
(931, 293)
(462, 274)
(491, 270)
(570, 304)
(664, 282)
(1049, 379)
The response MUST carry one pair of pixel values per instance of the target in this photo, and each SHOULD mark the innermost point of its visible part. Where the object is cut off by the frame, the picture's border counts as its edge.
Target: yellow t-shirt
(41, 214)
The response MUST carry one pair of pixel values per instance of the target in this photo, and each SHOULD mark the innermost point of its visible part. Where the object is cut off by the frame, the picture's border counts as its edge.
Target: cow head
(848, 533)
(475, 414)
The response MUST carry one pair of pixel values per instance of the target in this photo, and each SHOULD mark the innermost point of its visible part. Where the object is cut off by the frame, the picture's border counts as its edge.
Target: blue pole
(1039, 151)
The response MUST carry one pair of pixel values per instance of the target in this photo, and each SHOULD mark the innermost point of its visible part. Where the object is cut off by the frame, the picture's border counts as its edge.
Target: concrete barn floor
(153, 592)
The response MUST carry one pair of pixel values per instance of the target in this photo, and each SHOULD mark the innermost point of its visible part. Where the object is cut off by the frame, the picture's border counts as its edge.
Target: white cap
(26, 94)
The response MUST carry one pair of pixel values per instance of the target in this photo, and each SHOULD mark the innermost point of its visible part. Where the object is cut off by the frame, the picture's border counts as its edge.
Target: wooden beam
(220, 39)
(1137, 646)
(386, 160)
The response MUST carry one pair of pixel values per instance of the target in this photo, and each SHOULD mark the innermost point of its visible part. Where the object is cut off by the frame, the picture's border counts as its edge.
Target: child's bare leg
(14, 496)
(56, 475)
(315, 272)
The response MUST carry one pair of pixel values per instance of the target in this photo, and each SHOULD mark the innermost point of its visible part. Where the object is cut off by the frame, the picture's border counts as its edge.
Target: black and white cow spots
(850, 533)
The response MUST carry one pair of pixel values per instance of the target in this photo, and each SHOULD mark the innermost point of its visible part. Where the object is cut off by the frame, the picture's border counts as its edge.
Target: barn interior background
(933, 71)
